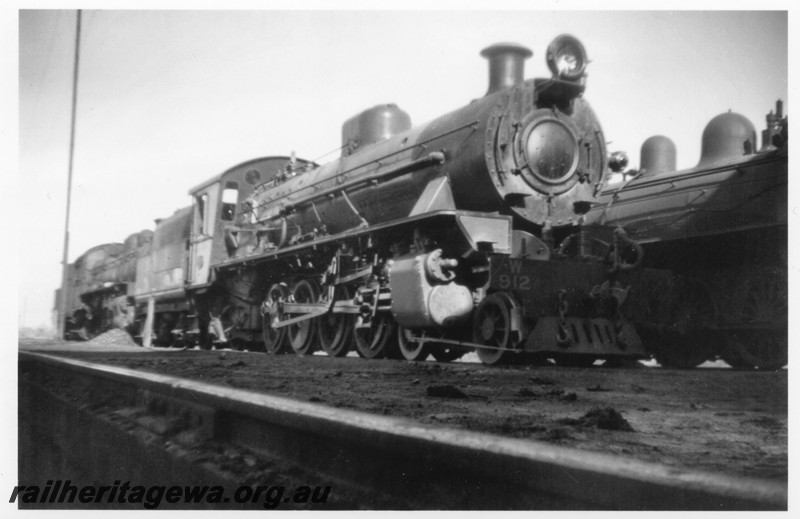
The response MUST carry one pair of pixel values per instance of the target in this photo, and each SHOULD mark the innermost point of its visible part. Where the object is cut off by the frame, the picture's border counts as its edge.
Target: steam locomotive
(468, 233)
(722, 225)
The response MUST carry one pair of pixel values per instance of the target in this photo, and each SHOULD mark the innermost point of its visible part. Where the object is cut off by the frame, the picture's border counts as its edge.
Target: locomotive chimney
(506, 65)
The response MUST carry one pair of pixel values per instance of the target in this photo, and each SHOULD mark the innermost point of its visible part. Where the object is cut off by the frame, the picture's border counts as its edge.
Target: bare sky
(168, 99)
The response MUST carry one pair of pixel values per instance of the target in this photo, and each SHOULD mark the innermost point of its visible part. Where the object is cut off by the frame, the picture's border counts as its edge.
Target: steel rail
(422, 464)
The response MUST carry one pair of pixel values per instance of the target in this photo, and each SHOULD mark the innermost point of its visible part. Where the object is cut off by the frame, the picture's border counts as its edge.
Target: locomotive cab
(222, 222)
(204, 223)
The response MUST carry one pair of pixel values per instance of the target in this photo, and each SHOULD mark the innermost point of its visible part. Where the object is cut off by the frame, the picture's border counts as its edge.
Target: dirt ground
(716, 420)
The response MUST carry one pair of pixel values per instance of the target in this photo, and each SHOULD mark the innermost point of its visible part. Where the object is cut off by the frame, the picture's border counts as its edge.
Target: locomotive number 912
(467, 233)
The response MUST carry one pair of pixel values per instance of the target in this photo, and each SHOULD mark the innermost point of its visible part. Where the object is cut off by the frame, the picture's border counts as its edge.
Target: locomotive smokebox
(506, 65)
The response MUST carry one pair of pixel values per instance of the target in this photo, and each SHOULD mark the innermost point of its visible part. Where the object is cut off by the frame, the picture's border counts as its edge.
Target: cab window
(201, 224)
(230, 196)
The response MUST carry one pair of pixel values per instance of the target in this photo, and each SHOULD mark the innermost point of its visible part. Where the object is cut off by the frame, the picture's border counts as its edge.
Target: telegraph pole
(62, 317)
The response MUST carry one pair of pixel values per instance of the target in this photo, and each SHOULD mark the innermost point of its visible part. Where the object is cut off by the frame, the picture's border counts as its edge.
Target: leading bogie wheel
(410, 348)
(492, 327)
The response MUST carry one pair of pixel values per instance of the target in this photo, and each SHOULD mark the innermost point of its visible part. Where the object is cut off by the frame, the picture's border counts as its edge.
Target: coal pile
(601, 418)
(606, 418)
(113, 337)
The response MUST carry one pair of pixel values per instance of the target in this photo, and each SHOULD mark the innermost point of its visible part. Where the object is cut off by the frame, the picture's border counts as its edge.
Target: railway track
(386, 462)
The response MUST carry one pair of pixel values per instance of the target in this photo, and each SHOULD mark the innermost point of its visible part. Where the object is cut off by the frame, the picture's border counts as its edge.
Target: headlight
(566, 58)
